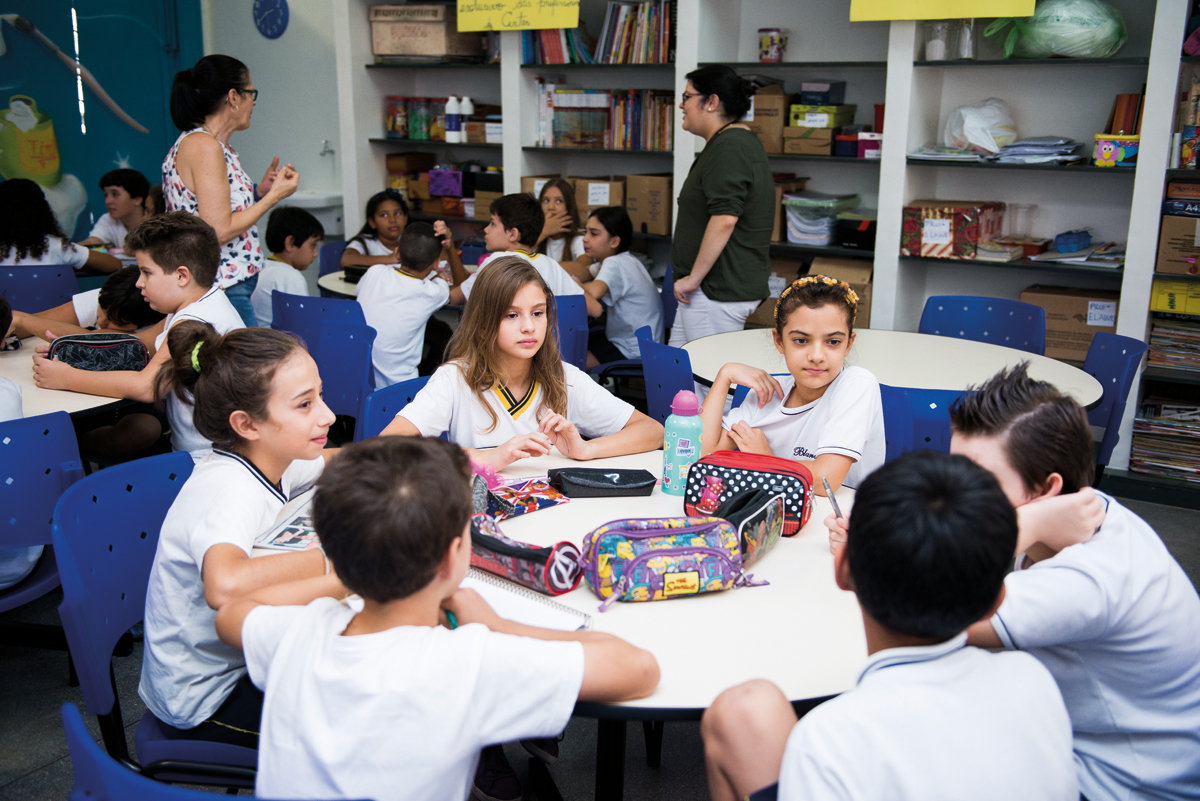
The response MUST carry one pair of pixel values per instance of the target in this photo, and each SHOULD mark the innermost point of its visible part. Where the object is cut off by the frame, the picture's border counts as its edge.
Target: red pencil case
(721, 475)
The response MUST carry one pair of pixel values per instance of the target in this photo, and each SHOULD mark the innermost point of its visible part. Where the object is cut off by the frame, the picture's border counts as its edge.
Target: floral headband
(850, 294)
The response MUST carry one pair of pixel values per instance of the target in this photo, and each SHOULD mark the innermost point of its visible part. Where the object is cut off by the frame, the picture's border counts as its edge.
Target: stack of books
(637, 33)
(604, 119)
(1040, 150)
(1175, 343)
(556, 46)
(1166, 440)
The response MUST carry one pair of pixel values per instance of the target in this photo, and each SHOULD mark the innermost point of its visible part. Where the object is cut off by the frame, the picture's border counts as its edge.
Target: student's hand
(12, 326)
(763, 383)
(522, 446)
(284, 184)
(565, 436)
(264, 186)
(750, 440)
(442, 231)
(468, 607)
(838, 527)
(1060, 520)
(557, 222)
(49, 374)
(685, 286)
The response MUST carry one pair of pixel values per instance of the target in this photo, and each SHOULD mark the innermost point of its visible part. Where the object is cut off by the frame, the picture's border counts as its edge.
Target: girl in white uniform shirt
(506, 389)
(29, 232)
(561, 239)
(258, 398)
(824, 414)
(376, 242)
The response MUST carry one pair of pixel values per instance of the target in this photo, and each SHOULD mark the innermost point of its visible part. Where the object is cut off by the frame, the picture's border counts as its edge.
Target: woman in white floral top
(202, 174)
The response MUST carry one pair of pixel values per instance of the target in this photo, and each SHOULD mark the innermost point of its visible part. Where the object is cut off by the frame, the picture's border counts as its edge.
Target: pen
(453, 620)
(837, 512)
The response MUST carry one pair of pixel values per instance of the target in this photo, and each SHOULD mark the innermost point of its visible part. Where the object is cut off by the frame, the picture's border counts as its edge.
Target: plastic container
(453, 120)
(418, 118)
(937, 39)
(395, 117)
(772, 42)
(1115, 150)
(812, 216)
(681, 445)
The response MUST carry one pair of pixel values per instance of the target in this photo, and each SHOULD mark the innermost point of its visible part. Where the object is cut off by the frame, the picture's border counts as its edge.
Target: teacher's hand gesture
(268, 179)
(685, 286)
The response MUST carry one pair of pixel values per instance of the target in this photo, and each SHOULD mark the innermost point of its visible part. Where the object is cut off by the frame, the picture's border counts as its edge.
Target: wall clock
(271, 17)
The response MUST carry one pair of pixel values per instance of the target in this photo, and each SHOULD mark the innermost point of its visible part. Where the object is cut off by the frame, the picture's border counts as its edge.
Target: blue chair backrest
(1113, 361)
(37, 287)
(916, 419)
(667, 370)
(330, 259)
(572, 329)
(381, 406)
(740, 392)
(994, 320)
(343, 357)
(303, 315)
(39, 460)
(106, 531)
(670, 304)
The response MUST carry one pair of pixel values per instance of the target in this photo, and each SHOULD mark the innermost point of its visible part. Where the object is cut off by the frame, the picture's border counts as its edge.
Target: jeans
(239, 296)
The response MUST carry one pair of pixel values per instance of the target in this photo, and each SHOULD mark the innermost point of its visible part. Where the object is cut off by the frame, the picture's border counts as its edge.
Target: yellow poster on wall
(867, 10)
(517, 15)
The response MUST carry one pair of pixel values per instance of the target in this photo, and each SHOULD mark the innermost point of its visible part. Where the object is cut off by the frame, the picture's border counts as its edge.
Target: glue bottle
(681, 446)
(453, 120)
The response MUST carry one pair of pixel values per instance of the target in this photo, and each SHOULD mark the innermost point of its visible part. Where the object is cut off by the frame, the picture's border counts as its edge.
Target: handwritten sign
(868, 10)
(517, 15)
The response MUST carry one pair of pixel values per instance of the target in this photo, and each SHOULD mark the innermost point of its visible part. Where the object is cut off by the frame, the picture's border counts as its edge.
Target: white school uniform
(216, 310)
(1117, 623)
(398, 305)
(369, 246)
(15, 563)
(846, 420)
(556, 247)
(558, 279)
(398, 714)
(275, 275)
(186, 671)
(74, 255)
(111, 230)
(87, 307)
(447, 404)
(936, 723)
(633, 302)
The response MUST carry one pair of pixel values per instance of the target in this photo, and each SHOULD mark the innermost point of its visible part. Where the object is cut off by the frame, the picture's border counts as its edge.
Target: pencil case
(716, 478)
(757, 516)
(101, 352)
(513, 500)
(552, 571)
(596, 482)
(655, 559)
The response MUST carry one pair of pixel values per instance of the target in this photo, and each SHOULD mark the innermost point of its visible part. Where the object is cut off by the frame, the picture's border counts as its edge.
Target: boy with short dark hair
(1113, 617)
(408, 702)
(294, 239)
(125, 192)
(929, 542)
(116, 307)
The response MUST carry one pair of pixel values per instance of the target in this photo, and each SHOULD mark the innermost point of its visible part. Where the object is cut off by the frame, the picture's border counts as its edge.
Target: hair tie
(196, 356)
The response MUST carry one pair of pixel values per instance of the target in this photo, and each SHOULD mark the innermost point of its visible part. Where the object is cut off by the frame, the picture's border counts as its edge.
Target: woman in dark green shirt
(726, 209)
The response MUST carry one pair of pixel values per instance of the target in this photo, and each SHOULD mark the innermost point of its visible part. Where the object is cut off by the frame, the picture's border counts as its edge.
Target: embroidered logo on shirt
(802, 452)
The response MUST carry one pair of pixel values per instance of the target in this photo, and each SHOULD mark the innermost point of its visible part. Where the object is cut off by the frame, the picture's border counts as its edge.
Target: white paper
(598, 194)
(936, 232)
(873, 154)
(493, 133)
(815, 120)
(776, 285)
(520, 609)
(1102, 312)
(537, 188)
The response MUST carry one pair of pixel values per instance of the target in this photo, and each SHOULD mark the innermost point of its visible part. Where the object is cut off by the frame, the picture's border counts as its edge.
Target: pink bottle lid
(686, 404)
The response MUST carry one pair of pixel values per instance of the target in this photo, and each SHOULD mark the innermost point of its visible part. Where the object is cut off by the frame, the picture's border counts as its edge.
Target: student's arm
(135, 385)
(230, 574)
(232, 615)
(457, 271)
(353, 258)
(832, 466)
(30, 325)
(92, 242)
(613, 670)
(149, 336)
(1059, 521)
(102, 262)
(209, 180)
(639, 435)
(594, 309)
(596, 289)
(983, 635)
(716, 236)
(580, 269)
(715, 437)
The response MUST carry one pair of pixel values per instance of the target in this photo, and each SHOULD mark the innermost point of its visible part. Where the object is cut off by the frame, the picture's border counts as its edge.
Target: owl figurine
(1106, 153)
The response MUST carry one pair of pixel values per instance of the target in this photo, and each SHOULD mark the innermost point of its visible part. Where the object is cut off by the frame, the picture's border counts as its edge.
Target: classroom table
(337, 285)
(17, 365)
(899, 359)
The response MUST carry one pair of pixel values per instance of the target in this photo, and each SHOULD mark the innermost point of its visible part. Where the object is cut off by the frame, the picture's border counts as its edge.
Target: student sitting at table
(506, 394)
(633, 300)
(398, 302)
(376, 242)
(177, 255)
(824, 414)
(413, 686)
(125, 194)
(562, 234)
(257, 397)
(1114, 618)
(930, 540)
(513, 231)
(294, 237)
(29, 232)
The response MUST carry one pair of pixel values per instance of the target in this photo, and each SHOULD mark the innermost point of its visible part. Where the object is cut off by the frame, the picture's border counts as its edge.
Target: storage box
(453, 207)
(855, 272)
(1115, 150)
(816, 116)
(595, 193)
(1073, 316)
(483, 204)
(1177, 297)
(418, 188)
(779, 228)
(648, 201)
(949, 229)
(481, 133)
(1184, 190)
(845, 145)
(1177, 243)
(766, 117)
(784, 270)
(420, 31)
(445, 183)
(870, 145)
(532, 184)
(401, 163)
(856, 233)
(822, 93)
(804, 141)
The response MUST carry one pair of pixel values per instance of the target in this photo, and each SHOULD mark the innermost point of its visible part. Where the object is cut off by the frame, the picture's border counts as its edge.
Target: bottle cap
(686, 404)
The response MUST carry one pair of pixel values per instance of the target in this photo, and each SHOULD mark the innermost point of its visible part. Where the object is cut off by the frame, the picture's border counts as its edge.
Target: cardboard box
(855, 272)
(949, 229)
(870, 145)
(767, 116)
(401, 163)
(595, 193)
(814, 116)
(1177, 241)
(1073, 316)
(649, 201)
(779, 228)
(418, 188)
(803, 141)
(1176, 297)
(532, 184)
(784, 270)
(823, 93)
(421, 31)
(483, 203)
(1184, 190)
(484, 133)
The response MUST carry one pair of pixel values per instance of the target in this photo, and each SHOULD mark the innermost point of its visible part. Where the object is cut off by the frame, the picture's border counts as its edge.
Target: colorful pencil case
(596, 482)
(719, 476)
(505, 502)
(758, 517)
(553, 570)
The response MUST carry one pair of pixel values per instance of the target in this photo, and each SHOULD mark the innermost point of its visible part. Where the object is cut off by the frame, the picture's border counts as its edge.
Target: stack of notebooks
(612, 119)
(556, 46)
(638, 33)
(1039, 150)
(998, 251)
(944, 153)
(1166, 440)
(1175, 343)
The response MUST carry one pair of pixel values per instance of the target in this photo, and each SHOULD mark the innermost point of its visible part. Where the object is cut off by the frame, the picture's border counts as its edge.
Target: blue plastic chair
(330, 261)
(39, 460)
(627, 368)
(343, 357)
(106, 531)
(572, 322)
(1113, 361)
(99, 777)
(37, 287)
(303, 315)
(666, 370)
(916, 419)
(381, 406)
(994, 320)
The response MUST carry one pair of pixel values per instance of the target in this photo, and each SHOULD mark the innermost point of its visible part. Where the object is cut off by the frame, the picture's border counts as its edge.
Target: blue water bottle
(681, 447)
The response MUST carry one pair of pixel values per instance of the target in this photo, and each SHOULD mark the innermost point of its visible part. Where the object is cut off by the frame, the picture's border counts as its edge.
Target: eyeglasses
(686, 96)
(252, 92)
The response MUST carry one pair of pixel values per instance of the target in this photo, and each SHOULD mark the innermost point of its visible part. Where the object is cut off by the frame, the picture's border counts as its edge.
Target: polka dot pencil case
(720, 476)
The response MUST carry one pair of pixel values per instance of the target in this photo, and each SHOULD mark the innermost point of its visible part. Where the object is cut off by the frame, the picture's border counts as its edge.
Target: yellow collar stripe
(512, 405)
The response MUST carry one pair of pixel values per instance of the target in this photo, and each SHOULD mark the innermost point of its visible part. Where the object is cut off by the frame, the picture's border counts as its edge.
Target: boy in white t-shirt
(178, 256)
(396, 701)
(399, 301)
(929, 542)
(1113, 617)
(125, 192)
(294, 237)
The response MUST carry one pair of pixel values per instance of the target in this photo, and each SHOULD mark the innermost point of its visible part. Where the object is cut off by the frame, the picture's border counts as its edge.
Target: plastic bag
(1073, 28)
(984, 128)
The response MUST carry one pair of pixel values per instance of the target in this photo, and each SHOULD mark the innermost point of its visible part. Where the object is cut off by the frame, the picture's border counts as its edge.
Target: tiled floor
(33, 754)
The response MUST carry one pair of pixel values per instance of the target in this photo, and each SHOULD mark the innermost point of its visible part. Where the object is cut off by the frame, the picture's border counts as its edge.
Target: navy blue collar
(892, 657)
(275, 489)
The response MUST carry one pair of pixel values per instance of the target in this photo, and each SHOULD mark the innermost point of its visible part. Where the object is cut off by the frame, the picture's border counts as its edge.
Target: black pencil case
(597, 482)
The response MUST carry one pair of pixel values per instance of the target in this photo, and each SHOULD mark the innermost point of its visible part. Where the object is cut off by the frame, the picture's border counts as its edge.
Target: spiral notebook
(522, 605)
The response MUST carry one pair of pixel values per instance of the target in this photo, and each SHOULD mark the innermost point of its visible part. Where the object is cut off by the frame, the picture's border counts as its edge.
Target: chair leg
(653, 731)
(72, 676)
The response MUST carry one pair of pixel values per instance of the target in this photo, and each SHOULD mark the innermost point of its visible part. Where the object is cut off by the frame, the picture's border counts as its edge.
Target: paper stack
(998, 251)
(1166, 439)
(1039, 150)
(1175, 343)
(944, 153)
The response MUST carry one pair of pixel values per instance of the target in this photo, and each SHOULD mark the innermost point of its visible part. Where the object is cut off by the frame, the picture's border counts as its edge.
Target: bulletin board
(517, 15)
(868, 10)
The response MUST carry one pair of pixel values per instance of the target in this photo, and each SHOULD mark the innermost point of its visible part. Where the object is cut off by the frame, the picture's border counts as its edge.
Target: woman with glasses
(722, 237)
(202, 174)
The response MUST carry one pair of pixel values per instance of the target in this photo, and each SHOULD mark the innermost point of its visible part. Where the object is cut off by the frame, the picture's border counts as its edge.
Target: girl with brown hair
(562, 233)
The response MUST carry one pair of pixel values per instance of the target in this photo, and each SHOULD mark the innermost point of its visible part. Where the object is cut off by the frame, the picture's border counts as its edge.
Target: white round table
(899, 359)
(17, 365)
(336, 284)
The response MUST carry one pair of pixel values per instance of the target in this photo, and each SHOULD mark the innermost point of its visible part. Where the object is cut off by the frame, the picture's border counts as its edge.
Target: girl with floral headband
(823, 413)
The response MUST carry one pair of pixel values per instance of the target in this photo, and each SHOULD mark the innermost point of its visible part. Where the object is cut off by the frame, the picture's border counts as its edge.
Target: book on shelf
(1166, 439)
(557, 46)
(637, 33)
(610, 119)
